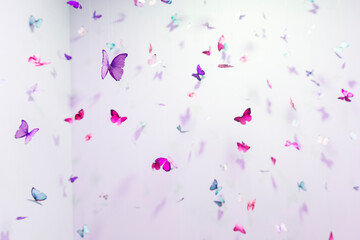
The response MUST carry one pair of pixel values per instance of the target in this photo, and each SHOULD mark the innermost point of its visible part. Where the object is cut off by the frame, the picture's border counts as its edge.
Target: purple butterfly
(75, 4)
(116, 66)
(73, 179)
(200, 73)
(208, 26)
(21, 218)
(171, 26)
(314, 10)
(158, 75)
(24, 132)
(68, 57)
(95, 17)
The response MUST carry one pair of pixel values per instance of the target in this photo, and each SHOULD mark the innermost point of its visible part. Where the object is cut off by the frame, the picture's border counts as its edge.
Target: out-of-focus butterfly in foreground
(281, 228)
(295, 144)
(115, 68)
(239, 228)
(314, 10)
(207, 25)
(78, 116)
(32, 90)
(200, 73)
(96, 17)
(242, 147)
(301, 185)
(75, 4)
(34, 23)
(347, 95)
(24, 132)
(162, 162)
(225, 66)
(82, 231)
(331, 237)
(214, 186)
(246, 117)
(35, 59)
(115, 117)
(21, 218)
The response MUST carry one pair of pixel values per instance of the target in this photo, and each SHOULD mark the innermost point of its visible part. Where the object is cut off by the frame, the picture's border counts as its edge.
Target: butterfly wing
(23, 130)
(114, 116)
(219, 203)
(69, 120)
(80, 232)
(38, 23)
(155, 165)
(105, 64)
(30, 135)
(167, 1)
(121, 120)
(167, 166)
(195, 75)
(31, 22)
(214, 185)
(116, 68)
(218, 190)
(80, 115)
(37, 195)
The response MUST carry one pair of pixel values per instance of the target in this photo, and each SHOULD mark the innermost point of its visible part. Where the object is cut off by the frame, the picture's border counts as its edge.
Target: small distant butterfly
(208, 52)
(246, 117)
(153, 61)
(323, 140)
(251, 205)
(73, 179)
(191, 94)
(243, 59)
(112, 47)
(207, 25)
(347, 95)
(75, 4)
(273, 160)
(295, 144)
(200, 73)
(82, 31)
(180, 130)
(239, 228)
(309, 73)
(35, 59)
(331, 237)
(68, 57)
(214, 186)
(167, 1)
(96, 17)
(21, 218)
(78, 117)
(82, 231)
(242, 147)
(162, 162)
(314, 10)
(31, 91)
(268, 83)
(220, 202)
(88, 137)
(115, 68)
(281, 228)
(221, 43)
(34, 22)
(24, 132)
(356, 188)
(301, 185)
(292, 104)
(139, 3)
(341, 48)
(172, 26)
(224, 167)
(37, 195)
(115, 117)
(225, 66)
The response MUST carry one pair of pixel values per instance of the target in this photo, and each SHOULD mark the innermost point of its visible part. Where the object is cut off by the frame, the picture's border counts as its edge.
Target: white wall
(40, 164)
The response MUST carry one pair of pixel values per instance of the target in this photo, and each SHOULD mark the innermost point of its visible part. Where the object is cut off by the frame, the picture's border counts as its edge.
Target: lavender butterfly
(24, 132)
(116, 66)
(200, 73)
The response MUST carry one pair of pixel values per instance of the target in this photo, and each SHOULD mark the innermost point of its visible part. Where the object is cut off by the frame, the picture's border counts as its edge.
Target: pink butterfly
(191, 94)
(221, 43)
(295, 144)
(161, 162)
(152, 60)
(243, 147)
(207, 52)
(268, 83)
(78, 117)
(138, 3)
(88, 137)
(331, 236)
(243, 59)
(347, 95)
(225, 66)
(292, 104)
(246, 117)
(251, 205)
(150, 48)
(35, 59)
(273, 160)
(239, 228)
(115, 118)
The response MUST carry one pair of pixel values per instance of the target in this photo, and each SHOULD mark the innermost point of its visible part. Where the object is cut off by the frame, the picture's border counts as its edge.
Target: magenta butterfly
(243, 147)
(115, 118)
(246, 117)
(88, 137)
(225, 66)
(251, 205)
(200, 73)
(24, 132)
(75, 4)
(208, 52)
(115, 68)
(295, 144)
(35, 59)
(73, 179)
(162, 162)
(221, 43)
(239, 228)
(96, 17)
(78, 116)
(331, 237)
(68, 57)
(347, 95)
(273, 160)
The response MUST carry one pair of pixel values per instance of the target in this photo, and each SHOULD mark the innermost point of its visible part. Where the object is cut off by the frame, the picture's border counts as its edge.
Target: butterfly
(309, 73)
(246, 117)
(73, 179)
(214, 186)
(112, 47)
(152, 61)
(32, 90)
(115, 118)
(115, 68)
(281, 228)
(68, 57)
(104, 196)
(200, 73)
(356, 188)
(292, 104)
(35, 59)
(323, 140)
(161, 162)
(21, 218)
(96, 17)
(208, 52)
(171, 26)
(331, 237)
(139, 3)
(273, 160)
(341, 48)
(284, 37)
(82, 231)
(4, 236)
(78, 116)
(243, 59)
(268, 83)
(34, 23)
(221, 202)
(347, 95)
(225, 66)
(75, 4)
(251, 205)
(180, 130)
(191, 94)
(301, 185)
(239, 228)
(37, 195)
(82, 31)
(88, 137)
(328, 162)
(167, 1)
(295, 144)
(24, 132)
(158, 75)
(221, 43)
(314, 10)
(242, 147)
(208, 26)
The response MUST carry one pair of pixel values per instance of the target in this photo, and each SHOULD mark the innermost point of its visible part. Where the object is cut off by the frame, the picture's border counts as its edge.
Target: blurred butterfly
(24, 132)
(152, 61)
(35, 59)
(191, 94)
(221, 43)
(273, 160)
(88, 137)
(309, 73)
(115, 68)
(284, 37)
(301, 185)
(75, 4)
(4, 236)
(175, 18)
(221, 202)
(96, 17)
(242, 147)
(172, 161)
(82, 31)
(241, 17)
(112, 47)
(31, 91)
(150, 48)
(68, 57)
(34, 22)
(347, 95)
(208, 52)
(328, 162)
(139, 3)
(246, 117)
(251, 205)
(180, 130)
(115, 118)
(200, 73)
(295, 144)
(73, 179)
(78, 116)
(225, 66)
(292, 104)
(207, 25)
(281, 228)
(167, 1)
(104, 196)
(323, 140)
(331, 237)
(353, 136)
(314, 10)
(21, 218)
(161, 162)
(243, 59)
(223, 167)
(239, 228)
(214, 186)
(171, 26)
(268, 83)
(82, 231)
(158, 75)
(152, 2)
(341, 48)
(56, 140)
(356, 188)
(37, 195)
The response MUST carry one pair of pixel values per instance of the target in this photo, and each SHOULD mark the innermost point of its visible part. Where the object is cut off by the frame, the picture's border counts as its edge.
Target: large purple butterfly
(115, 68)
(24, 132)
(200, 73)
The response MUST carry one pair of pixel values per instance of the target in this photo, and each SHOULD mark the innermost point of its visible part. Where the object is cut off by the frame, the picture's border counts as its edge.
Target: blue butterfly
(221, 202)
(180, 130)
(167, 1)
(214, 186)
(83, 230)
(301, 185)
(37, 195)
(34, 22)
(112, 47)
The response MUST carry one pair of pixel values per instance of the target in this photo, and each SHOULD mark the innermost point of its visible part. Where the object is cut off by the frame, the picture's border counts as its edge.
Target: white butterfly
(323, 140)
(281, 228)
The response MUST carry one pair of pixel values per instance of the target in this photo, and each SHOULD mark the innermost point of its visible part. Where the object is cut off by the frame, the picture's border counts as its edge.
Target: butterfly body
(115, 68)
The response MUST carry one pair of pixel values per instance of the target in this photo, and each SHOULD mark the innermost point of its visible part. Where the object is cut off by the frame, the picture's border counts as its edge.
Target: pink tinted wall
(143, 203)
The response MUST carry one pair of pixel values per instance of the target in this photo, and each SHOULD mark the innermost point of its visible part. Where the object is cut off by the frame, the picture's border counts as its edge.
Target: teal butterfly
(82, 231)
(221, 202)
(34, 22)
(301, 185)
(112, 47)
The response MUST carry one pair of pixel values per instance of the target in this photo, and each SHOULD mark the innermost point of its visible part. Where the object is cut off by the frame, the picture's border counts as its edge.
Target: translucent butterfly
(281, 228)
(112, 47)
(24, 132)
(323, 140)
(82, 231)
(341, 48)
(115, 68)
(34, 23)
